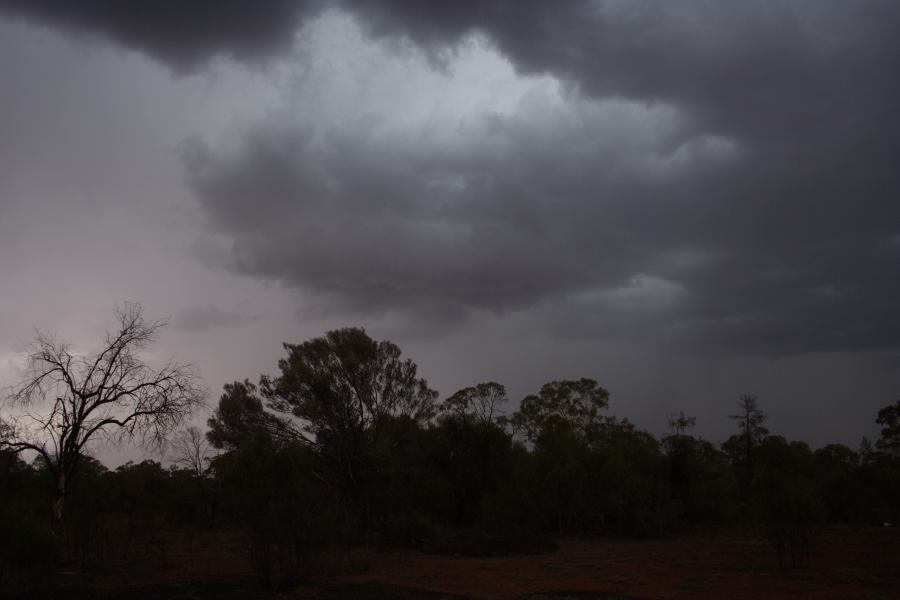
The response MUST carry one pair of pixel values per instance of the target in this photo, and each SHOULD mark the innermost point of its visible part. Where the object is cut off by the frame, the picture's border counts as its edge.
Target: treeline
(348, 446)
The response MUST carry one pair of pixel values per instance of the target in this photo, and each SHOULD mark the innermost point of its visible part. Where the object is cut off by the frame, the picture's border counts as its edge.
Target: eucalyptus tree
(241, 417)
(575, 404)
(478, 404)
(346, 391)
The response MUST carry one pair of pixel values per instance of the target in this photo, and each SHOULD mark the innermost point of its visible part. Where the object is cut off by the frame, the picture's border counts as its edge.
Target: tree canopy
(574, 403)
(345, 382)
(889, 419)
(479, 403)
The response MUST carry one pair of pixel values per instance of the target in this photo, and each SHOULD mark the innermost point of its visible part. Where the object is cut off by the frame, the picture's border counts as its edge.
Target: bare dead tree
(67, 400)
(191, 451)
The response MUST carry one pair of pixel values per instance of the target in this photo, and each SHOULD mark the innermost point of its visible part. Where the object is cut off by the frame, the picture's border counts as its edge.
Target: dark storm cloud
(741, 66)
(501, 217)
(181, 34)
(765, 219)
(762, 214)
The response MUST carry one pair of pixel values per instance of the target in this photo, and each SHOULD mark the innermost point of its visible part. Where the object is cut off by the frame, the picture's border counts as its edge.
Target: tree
(575, 403)
(347, 389)
(788, 504)
(837, 469)
(680, 449)
(241, 417)
(889, 419)
(562, 462)
(66, 400)
(479, 404)
(271, 492)
(885, 460)
(750, 421)
(680, 424)
(471, 450)
(191, 451)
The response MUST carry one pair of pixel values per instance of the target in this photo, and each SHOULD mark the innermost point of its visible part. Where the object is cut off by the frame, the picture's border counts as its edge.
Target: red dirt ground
(845, 565)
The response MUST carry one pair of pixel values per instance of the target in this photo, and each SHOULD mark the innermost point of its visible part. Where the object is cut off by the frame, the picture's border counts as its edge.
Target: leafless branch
(191, 451)
(66, 400)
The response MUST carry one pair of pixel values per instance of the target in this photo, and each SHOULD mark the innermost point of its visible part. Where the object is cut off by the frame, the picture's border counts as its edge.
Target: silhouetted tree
(883, 460)
(750, 419)
(400, 477)
(190, 450)
(786, 497)
(889, 419)
(836, 468)
(67, 400)
(563, 460)
(628, 472)
(271, 492)
(577, 403)
(469, 450)
(679, 445)
(680, 424)
(680, 450)
(345, 388)
(480, 403)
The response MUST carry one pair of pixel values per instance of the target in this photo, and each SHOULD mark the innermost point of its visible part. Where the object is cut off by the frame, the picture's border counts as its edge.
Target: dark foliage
(347, 447)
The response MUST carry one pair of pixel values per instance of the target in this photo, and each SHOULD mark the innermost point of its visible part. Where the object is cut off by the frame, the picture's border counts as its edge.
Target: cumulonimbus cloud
(736, 161)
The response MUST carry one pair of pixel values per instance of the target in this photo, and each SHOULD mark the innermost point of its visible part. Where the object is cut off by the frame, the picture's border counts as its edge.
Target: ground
(846, 564)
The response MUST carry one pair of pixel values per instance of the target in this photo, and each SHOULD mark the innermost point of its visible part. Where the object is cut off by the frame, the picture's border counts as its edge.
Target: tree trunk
(59, 498)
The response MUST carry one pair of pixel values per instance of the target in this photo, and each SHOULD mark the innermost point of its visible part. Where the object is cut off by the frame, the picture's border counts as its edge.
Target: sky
(686, 201)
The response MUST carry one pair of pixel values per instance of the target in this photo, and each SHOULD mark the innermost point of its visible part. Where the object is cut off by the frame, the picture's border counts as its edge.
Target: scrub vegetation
(345, 449)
